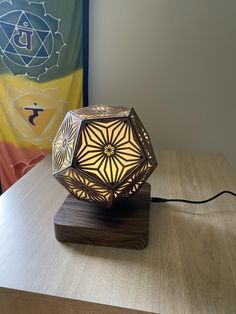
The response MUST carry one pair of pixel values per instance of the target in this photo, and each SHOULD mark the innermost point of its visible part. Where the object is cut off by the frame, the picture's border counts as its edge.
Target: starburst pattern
(102, 111)
(64, 143)
(85, 188)
(142, 135)
(134, 182)
(108, 150)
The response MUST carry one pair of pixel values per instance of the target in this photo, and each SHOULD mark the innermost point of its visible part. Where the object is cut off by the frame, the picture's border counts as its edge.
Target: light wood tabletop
(189, 265)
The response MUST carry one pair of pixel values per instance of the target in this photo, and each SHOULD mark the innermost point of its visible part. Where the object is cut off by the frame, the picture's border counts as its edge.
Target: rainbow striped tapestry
(43, 68)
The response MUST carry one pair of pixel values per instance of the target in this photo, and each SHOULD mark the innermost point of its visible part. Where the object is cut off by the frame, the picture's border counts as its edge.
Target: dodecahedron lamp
(102, 154)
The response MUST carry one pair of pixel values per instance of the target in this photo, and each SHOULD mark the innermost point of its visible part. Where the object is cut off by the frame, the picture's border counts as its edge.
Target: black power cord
(165, 200)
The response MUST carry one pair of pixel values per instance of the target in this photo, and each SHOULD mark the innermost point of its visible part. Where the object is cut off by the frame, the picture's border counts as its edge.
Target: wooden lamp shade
(102, 154)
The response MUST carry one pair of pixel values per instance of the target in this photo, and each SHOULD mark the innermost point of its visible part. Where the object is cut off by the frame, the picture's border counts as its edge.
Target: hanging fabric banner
(43, 68)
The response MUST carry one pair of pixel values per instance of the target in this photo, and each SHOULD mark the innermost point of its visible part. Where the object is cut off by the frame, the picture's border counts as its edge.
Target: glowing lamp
(102, 154)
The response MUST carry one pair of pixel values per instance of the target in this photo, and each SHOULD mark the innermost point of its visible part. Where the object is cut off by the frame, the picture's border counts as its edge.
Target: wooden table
(188, 267)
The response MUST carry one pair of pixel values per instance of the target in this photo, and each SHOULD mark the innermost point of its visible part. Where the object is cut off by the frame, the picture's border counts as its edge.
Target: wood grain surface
(23, 302)
(188, 266)
(125, 225)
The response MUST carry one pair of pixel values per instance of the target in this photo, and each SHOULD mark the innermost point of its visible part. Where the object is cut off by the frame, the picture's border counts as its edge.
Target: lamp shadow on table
(185, 258)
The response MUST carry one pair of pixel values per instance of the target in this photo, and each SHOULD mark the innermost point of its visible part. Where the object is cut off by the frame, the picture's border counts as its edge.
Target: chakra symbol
(30, 41)
(35, 113)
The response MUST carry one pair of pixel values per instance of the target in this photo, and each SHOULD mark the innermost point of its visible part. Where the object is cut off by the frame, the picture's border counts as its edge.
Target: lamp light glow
(102, 154)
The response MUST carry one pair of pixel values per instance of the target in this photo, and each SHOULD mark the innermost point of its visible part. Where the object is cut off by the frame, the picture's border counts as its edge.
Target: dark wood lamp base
(124, 226)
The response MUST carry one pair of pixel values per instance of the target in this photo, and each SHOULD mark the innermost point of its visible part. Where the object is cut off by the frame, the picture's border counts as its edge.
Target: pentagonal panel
(102, 111)
(108, 150)
(134, 182)
(85, 188)
(143, 137)
(64, 143)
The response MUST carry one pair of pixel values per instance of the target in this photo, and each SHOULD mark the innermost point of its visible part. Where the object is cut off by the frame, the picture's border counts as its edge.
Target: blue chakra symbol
(30, 41)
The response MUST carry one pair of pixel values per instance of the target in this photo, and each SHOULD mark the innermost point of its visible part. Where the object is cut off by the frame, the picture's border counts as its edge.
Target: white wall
(175, 62)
